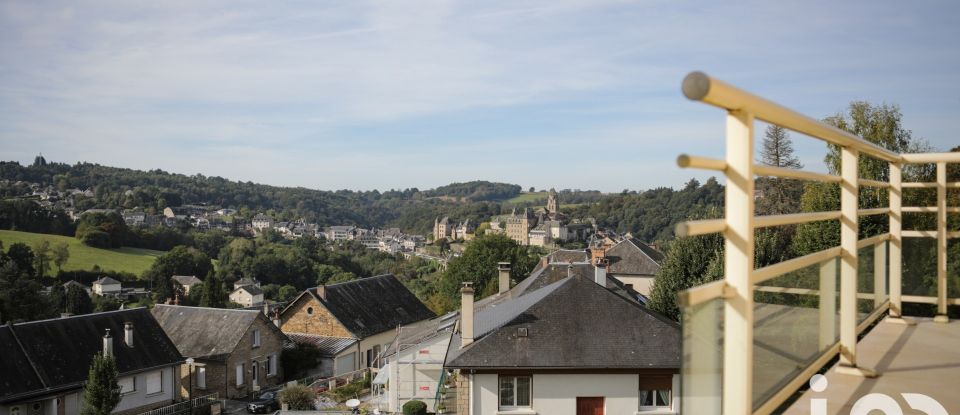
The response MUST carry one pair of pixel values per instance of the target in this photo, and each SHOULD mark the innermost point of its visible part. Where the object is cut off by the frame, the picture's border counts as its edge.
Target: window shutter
(154, 382)
(240, 374)
(201, 377)
(656, 383)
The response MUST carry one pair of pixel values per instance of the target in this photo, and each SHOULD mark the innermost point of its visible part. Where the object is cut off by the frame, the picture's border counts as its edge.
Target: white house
(414, 367)
(106, 285)
(247, 295)
(569, 347)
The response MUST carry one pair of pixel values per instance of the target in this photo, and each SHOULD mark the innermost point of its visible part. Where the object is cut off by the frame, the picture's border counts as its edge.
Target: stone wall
(298, 319)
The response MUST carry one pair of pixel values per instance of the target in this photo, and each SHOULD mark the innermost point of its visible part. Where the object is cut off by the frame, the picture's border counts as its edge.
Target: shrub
(415, 408)
(298, 397)
(96, 238)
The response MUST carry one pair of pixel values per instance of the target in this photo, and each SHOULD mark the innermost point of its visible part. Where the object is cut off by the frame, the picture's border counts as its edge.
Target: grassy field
(528, 197)
(82, 257)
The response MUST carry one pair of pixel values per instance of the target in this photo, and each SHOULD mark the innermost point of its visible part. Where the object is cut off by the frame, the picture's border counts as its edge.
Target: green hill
(82, 257)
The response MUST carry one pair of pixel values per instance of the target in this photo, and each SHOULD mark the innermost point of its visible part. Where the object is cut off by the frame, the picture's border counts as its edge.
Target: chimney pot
(600, 272)
(128, 334)
(466, 314)
(504, 274)
(107, 344)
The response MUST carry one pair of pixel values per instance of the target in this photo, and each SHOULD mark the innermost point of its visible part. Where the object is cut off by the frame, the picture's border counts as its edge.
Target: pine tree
(213, 295)
(777, 149)
(101, 393)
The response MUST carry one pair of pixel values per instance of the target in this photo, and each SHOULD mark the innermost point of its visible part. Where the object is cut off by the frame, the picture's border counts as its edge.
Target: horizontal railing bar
(872, 183)
(803, 377)
(877, 312)
(698, 86)
(688, 161)
(762, 274)
(927, 234)
(928, 209)
(794, 218)
(702, 293)
(875, 211)
(700, 227)
(922, 299)
(953, 157)
(803, 291)
(795, 174)
(873, 240)
(916, 185)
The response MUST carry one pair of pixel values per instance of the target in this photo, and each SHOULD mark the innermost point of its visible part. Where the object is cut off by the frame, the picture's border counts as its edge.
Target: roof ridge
(206, 308)
(79, 316)
(357, 280)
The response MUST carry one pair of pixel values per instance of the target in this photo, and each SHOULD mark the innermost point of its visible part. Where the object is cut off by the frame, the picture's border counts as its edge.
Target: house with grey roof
(187, 282)
(45, 363)
(107, 286)
(632, 262)
(236, 352)
(247, 295)
(562, 348)
(369, 310)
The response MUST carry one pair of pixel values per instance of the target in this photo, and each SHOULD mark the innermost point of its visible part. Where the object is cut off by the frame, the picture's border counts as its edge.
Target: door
(590, 406)
(256, 373)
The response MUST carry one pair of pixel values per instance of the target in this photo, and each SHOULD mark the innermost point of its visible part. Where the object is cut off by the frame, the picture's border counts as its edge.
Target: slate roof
(206, 333)
(328, 346)
(186, 280)
(631, 256)
(106, 281)
(40, 357)
(251, 289)
(568, 255)
(372, 305)
(551, 273)
(571, 324)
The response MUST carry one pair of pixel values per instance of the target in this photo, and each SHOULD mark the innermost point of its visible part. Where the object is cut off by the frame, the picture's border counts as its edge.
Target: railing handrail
(698, 86)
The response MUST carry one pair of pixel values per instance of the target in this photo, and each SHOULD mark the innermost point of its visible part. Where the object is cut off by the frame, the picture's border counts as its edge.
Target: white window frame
(256, 338)
(513, 380)
(133, 385)
(240, 374)
(656, 397)
(147, 382)
(272, 365)
(201, 377)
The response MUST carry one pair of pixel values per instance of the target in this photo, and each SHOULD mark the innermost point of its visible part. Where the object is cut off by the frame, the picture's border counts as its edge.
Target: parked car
(266, 403)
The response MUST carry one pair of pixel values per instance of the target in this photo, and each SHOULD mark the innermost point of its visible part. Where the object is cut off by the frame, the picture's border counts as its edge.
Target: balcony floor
(924, 359)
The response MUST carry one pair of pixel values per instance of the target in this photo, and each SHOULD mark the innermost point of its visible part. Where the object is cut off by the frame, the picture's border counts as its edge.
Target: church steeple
(552, 205)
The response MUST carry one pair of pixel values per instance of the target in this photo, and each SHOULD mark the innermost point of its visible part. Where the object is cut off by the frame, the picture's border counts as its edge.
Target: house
(442, 228)
(261, 222)
(632, 262)
(236, 352)
(187, 282)
(45, 363)
(245, 281)
(368, 310)
(329, 349)
(340, 233)
(72, 283)
(566, 348)
(414, 364)
(107, 286)
(247, 295)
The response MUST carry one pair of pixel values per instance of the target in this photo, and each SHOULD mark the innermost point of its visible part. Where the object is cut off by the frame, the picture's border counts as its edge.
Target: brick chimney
(107, 344)
(128, 334)
(322, 292)
(466, 314)
(504, 273)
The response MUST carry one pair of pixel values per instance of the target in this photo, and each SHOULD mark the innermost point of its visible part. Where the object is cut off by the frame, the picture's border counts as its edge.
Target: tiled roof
(328, 346)
(209, 333)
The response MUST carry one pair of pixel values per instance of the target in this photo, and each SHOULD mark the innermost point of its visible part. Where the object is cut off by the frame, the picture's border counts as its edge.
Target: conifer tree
(101, 393)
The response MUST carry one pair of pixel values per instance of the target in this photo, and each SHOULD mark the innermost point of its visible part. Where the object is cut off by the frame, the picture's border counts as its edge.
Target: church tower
(552, 205)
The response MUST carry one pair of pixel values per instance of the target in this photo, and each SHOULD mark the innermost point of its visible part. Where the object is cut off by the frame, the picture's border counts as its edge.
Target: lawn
(528, 197)
(82, 257)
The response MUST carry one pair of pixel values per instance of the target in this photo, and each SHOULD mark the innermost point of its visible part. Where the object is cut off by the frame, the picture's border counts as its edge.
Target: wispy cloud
(368, 94)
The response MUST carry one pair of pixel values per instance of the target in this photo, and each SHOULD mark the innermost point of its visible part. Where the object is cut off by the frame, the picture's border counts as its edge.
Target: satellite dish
(353, 403)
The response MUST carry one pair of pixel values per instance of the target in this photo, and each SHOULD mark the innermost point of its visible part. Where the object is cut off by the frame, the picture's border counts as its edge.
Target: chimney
(322, 292)
(128, 334)
(466, 314)
(504, 269)
(600, 272)
(107, 344)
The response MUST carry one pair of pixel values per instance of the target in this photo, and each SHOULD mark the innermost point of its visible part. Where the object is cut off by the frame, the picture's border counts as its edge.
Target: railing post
(849, 227)
(828, 303)
(738, 261)
(941, 316)
(879, 274)
(896, 240)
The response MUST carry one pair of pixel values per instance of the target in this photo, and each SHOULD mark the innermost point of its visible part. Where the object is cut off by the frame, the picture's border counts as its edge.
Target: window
(514, 391)
(256, 338)
(655, 392)
(201, 377)
(154, 382)
(309, 311)
(127, 384)
(240, 375)
(272, 365)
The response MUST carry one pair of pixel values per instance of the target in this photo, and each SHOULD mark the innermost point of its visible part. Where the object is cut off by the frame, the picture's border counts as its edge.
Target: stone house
(247, 295)
(45, 363)
(236, 352)
(368, 310)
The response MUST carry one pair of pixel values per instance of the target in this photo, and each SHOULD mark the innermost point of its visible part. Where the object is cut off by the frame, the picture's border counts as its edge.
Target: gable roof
(371, 305)
(571, 324)
(551, 273)
(250, 289)
(568, 255)
(106, 281)
(49, 355)
(208, 333)
(186, 280)
(631, 256)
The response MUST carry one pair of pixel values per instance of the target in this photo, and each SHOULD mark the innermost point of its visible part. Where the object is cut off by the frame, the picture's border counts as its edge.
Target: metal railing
(735, 331)
(186, 406)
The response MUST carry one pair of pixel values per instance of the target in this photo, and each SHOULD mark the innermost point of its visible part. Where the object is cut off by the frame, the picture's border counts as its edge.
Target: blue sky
(395, 94)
